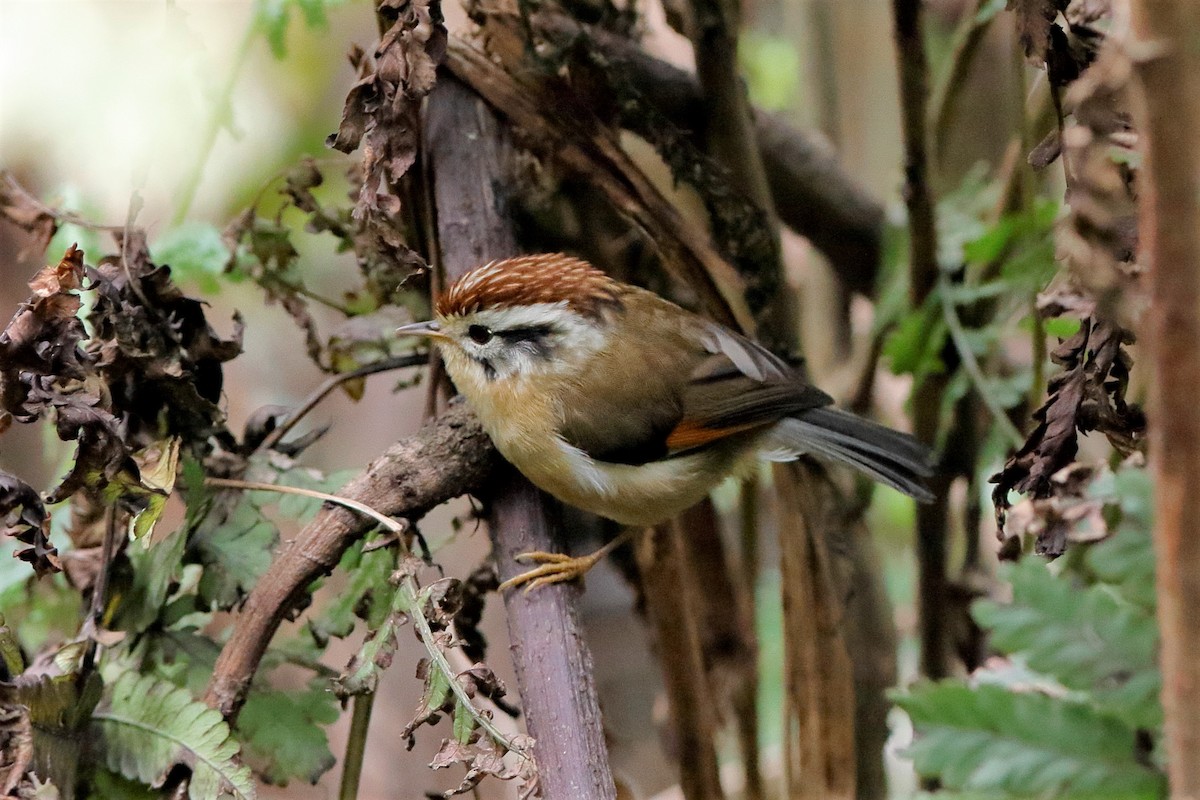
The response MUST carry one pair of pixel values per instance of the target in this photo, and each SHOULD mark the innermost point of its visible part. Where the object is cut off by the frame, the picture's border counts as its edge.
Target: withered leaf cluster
(149, 371)
(1088, 395)
(382, 115)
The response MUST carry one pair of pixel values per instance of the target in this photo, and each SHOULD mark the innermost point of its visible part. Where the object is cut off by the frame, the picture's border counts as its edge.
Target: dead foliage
(382, 116)
(1088, 395)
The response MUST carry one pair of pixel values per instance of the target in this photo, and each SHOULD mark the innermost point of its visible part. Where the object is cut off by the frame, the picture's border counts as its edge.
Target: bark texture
(1168, 33)
(472, 161)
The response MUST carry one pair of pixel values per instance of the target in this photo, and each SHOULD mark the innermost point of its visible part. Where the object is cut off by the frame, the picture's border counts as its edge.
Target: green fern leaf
(146, 726)
(1024, 744)
(1087, 638)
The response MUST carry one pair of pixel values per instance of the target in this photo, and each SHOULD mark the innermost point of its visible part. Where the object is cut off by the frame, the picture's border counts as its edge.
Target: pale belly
(639, 495)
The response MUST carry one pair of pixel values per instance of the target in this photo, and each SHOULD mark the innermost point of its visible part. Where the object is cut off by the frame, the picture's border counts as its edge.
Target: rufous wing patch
(689, 434)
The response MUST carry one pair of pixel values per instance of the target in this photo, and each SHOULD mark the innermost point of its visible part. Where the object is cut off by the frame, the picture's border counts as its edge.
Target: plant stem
(958, 335)
(356, 745)
(409, 590)
(923, 278)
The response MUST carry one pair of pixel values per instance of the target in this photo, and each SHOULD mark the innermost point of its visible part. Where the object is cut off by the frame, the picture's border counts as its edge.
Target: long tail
(890, 457)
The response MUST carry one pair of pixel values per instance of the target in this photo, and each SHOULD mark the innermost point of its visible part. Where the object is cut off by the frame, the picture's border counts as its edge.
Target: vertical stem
(472, 161)
(1168, 33)
(923, 276)
(676, 617)
(356, 745)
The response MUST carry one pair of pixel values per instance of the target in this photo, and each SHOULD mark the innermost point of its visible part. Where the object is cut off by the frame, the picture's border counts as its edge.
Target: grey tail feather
(894, 459)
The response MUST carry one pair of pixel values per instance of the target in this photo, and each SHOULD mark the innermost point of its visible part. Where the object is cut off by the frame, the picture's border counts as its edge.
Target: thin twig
(100, 588)
(216, 121)
(331, 383)
(923, 277)
(958, 335)
(442, 461)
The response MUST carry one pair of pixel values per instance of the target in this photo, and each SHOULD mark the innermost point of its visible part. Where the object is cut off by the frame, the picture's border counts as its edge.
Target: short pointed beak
(428, 328)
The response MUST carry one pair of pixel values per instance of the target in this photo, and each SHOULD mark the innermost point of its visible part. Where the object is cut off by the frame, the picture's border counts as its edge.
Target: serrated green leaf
(195, 252)
(989, 739)
(282, 736)
(367, 584)
(1083, 637)
(146, 726)
(464, 722)
(234, 551)
(915, 346)
(154, 570)
(1126, 560)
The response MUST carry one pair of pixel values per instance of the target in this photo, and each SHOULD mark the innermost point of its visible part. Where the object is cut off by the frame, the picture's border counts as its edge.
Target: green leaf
(367, 589)
(154, 570)
(990, 739)
(464, 722)
(147, 726)
(1126, 561)
(196, 253)
(234, 551)
(1086, 638)
(273, 17)
(281, 734)
(915, 346)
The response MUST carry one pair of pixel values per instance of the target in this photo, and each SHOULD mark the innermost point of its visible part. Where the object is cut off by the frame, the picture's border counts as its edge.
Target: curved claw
(555, 568)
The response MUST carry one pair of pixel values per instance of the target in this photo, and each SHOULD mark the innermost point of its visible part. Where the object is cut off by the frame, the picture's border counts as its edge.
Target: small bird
(621, 403)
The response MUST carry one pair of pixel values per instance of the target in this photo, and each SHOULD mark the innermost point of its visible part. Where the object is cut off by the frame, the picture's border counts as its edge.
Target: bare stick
(811, 191)
(1169, 73)
(472, 161)
(923, 277)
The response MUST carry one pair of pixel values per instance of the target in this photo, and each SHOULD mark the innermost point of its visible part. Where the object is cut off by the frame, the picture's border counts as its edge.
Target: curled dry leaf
(23, 210)
(1035, 24)
(382, 114)
(482, 757)
(25, 519)
(1098, 240)
(1067, 514)
(1088, 395)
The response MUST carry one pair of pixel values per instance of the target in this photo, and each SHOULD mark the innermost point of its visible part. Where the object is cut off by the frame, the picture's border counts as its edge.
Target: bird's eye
(480, 334)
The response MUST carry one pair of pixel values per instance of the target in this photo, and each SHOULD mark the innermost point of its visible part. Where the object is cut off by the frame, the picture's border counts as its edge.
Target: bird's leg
(560, 567)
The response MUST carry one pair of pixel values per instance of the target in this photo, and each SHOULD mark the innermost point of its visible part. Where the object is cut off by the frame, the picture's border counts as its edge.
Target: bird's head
(521, 317)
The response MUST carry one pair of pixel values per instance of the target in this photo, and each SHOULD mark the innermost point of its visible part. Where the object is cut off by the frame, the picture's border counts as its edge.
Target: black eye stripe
(526, 334)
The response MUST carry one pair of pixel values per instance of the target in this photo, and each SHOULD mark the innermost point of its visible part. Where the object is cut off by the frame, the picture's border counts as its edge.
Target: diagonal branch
(441, 462)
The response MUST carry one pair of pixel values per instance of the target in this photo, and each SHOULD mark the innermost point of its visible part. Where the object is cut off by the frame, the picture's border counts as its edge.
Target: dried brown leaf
(482, 757)
(23, 210)
(1035, 19)
(1089, 395)
(25, 519)
(382, 115)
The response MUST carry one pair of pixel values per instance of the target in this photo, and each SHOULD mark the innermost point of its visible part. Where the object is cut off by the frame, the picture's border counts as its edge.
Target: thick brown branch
(1169, 75)
(472, 160)
(811, 192)
(442, 461)
(586, 148)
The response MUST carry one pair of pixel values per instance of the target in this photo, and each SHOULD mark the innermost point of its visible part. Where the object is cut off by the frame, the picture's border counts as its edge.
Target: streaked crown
(530, 280)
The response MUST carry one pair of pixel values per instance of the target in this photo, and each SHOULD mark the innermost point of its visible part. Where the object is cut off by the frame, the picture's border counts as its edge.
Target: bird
(619, 402)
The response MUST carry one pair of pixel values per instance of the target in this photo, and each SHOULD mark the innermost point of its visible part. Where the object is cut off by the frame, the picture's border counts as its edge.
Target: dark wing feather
(740, 386)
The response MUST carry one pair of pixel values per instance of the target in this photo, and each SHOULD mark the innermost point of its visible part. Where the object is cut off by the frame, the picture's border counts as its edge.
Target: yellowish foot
(560, 567)
(554, 568)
